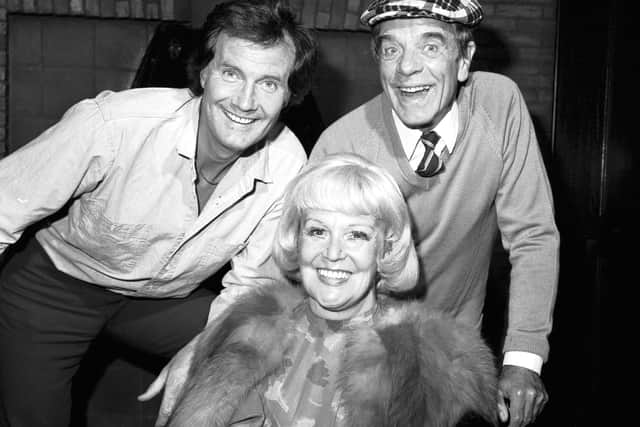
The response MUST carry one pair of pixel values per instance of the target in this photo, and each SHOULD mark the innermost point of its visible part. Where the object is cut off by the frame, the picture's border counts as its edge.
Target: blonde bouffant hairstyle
(350, 184)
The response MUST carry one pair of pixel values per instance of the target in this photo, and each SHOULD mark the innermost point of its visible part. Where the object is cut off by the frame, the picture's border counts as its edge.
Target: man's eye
(229, 75)
(432, 49)
(389, 52)
(270, 86)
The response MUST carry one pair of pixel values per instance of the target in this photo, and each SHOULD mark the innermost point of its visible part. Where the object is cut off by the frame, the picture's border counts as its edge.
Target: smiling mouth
(333, 275)
(414, 90)
(238, 119)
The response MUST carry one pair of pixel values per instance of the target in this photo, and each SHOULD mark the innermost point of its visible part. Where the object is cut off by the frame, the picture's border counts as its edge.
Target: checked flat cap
(466, 12)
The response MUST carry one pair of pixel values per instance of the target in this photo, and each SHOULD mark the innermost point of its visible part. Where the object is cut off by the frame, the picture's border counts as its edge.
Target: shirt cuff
(523, 359)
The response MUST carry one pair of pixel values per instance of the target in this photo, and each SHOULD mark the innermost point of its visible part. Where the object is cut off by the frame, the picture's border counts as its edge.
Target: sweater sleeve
(524, 207)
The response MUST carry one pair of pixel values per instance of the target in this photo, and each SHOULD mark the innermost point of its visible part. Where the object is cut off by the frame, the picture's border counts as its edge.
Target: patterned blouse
(303, 393)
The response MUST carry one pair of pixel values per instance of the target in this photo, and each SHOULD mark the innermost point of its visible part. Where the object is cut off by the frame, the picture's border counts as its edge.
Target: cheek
(272, 104)
(386, 72)
(366, 261)
(307, 251)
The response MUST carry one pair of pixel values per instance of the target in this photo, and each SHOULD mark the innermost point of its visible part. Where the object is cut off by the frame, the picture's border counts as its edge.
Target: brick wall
(151, 10)
(517, 38)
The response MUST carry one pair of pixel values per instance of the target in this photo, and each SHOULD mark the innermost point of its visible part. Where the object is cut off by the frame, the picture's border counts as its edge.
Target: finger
(165, 410)
(155, 387)
(529, 401)
(503, 411)
(173, 386)
(539, 403)
(516, 408)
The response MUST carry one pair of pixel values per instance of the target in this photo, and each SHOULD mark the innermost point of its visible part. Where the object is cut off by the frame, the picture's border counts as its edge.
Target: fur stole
(409, 368)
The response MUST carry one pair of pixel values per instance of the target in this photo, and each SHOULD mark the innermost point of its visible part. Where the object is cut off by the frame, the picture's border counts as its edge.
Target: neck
(212, 161)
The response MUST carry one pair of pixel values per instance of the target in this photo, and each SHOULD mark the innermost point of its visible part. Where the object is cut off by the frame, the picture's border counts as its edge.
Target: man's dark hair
(265, 22)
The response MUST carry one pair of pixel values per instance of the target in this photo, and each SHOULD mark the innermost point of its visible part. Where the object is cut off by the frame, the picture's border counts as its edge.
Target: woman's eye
(358, 235)
(315, 232)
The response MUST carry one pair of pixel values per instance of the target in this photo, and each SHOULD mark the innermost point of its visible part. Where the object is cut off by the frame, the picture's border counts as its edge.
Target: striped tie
(430, 164)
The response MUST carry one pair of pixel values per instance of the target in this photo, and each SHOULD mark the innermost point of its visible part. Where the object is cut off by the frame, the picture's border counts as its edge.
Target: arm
(66, 160)
(524, 207)
(525, 217)
(253, 266)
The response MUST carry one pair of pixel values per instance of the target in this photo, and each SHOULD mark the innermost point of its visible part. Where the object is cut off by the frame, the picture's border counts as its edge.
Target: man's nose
(410, 62)
(245, 99)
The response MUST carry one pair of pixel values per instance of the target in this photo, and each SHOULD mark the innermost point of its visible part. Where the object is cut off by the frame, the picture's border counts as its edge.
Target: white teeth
(414, 89)
(238, 119)
(333, 274)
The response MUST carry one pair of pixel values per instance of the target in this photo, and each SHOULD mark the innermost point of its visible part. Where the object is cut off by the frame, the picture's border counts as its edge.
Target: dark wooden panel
(595, 184)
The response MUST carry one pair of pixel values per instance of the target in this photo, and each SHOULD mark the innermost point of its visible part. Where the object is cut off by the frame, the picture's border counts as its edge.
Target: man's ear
(464, 62)
(203, 75)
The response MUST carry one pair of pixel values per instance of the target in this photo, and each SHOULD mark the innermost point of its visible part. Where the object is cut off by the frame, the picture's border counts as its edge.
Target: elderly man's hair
(462, 33)
(265, 22)
(349, 184)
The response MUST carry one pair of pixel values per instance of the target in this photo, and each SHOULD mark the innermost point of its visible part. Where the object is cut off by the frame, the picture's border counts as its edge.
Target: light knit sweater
(493, 181)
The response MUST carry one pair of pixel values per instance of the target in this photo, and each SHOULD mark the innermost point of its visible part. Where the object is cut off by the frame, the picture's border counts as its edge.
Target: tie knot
(430, 136)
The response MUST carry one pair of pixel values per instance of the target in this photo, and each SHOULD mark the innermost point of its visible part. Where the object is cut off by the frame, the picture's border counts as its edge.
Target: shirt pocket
(119, 247)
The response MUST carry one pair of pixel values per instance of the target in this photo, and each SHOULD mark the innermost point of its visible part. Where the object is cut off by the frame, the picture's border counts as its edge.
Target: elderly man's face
(245, 88)
(338, 253)
(420, 67)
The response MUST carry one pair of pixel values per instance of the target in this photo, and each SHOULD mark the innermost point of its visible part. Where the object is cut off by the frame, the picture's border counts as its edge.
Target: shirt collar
(447, 128)
(190, 112)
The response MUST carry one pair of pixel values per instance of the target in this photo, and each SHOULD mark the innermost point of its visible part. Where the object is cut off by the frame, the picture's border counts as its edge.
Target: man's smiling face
(420, 68)
(245, 89)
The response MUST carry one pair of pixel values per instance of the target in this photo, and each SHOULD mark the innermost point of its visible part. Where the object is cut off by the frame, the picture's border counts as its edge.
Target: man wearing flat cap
(462, 147)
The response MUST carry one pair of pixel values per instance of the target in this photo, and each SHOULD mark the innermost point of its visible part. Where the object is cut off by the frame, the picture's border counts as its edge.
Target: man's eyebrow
(434, 35)
(279, 78)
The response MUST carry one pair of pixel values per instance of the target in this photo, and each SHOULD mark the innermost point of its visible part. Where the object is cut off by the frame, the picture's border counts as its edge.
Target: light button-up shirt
(126, 160)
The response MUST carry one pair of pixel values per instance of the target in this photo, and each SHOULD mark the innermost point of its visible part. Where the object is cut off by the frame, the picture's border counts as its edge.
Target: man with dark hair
(462, 147)
(164, 187)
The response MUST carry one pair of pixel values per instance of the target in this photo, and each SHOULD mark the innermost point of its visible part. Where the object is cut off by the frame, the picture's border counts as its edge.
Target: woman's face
(337, 254)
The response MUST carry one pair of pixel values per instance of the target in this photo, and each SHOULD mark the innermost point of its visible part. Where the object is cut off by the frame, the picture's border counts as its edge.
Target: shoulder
(356, 119)
(483, 82)
(270, 299)
(492, 94)
(436, 331)
(414, 355)
(235, 352)
(261, 316)
(360, 125)
(141, 103)
(287, 147)
(284, 157)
